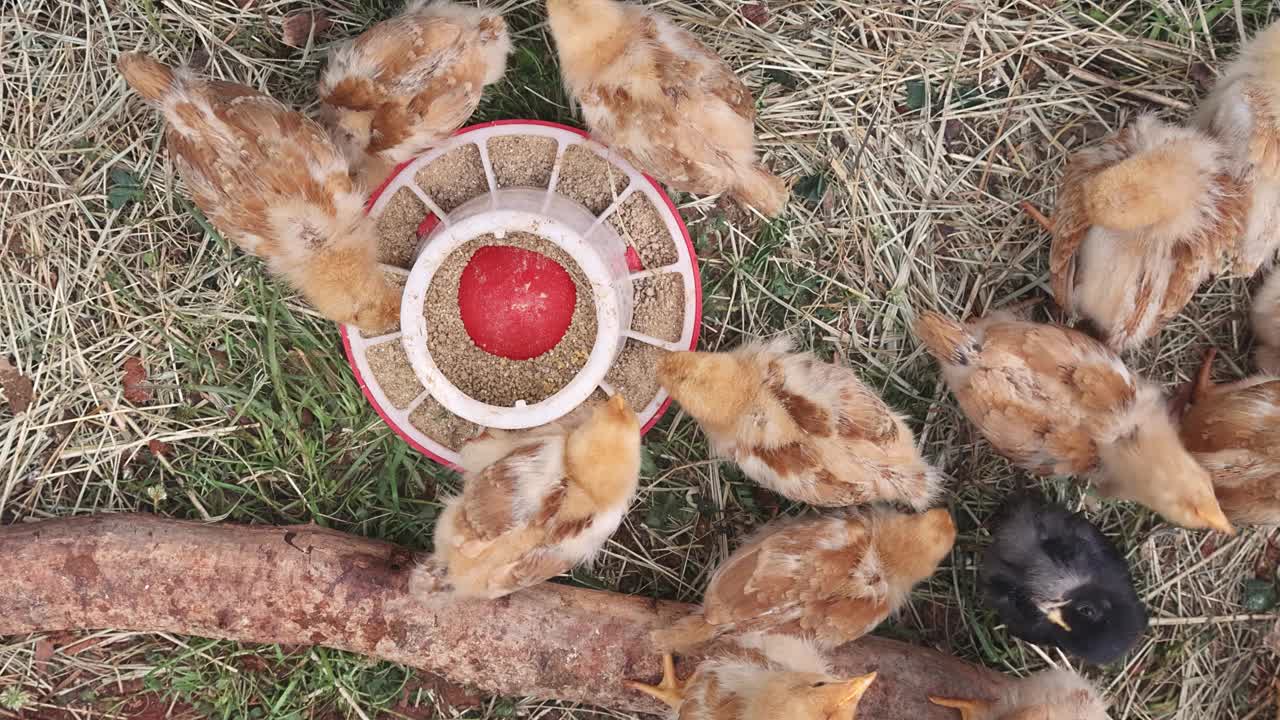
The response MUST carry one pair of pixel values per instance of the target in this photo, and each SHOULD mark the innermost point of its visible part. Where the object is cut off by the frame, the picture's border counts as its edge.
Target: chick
(407, 83)
(538, 503)
(271, 181)
(1057, 402)
(803, 428)
(1233, 430)
(1055, 579)
(1266, 325)
(771, 677)
(1243, 113)
(654, 93)
(1142, 220)
(859, 568)
(1048, 695)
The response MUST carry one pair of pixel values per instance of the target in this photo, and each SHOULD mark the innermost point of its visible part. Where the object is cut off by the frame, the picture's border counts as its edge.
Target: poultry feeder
(526, 233)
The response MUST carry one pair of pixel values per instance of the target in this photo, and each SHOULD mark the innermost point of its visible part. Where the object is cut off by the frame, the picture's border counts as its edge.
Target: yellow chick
(1143, 219)
(1233, 430)
(858, 569)
(1048, 695)
(1266, 325)
(808, 430)
(771, 677)
(407, 83)
(1243, 113)
(651, 91)
(536, 504)
(271, 181)
(1057, 402)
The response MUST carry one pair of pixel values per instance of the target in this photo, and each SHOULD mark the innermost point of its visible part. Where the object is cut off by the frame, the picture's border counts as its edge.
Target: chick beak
(1215, 520)
(853, 690)
(1053, 612)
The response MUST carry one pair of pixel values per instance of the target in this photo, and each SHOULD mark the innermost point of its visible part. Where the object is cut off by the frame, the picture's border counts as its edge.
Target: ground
(148, 365)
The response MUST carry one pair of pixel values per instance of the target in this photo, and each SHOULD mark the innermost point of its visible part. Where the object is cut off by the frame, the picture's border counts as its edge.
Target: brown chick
(271, 181)
(536, 504)
(407, 83)
(1243, 113)
(806, 429)
(768, 677)
(654, 93)
(1266, 326)
(858, 569)
(1143, 219)
(1057, 402)
(1233, 430)
(1048, 695)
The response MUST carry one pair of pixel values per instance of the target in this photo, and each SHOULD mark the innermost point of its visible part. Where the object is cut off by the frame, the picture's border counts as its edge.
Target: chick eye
(818, 684)
(1088, 612)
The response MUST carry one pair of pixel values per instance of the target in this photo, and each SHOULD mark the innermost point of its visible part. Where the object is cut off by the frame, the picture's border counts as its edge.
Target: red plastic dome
(515, 303)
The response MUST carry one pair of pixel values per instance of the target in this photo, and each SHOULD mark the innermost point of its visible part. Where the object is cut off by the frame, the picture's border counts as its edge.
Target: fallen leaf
(135, 378)
(123, 189)
(18, 388)
(158, 448)
(43, 652)
(299, 27)
(756, 13)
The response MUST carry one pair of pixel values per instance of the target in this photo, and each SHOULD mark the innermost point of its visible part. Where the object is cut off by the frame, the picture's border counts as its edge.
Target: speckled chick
(273, 182)
(651, 91)
(536, 504)
(1233, 430)
(1143, 218)
(1243, 113)
(1265, 316)
(767, 677)
(808, 430)
(833, 578)
(1048, 695)
(409, 82)
(1057, 402)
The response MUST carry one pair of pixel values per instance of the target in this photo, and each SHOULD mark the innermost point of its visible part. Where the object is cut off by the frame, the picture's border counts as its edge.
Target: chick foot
(670, 690)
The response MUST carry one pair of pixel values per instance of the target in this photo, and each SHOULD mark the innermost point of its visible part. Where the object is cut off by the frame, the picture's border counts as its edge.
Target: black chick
(1054, 579)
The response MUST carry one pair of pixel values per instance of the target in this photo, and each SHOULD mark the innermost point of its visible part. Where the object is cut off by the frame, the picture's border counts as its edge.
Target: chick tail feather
(762, 190)
(947, 340)
(151, 79)
(686, 634)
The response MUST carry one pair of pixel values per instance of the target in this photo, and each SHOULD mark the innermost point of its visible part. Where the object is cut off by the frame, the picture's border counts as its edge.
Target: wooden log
(307, 585)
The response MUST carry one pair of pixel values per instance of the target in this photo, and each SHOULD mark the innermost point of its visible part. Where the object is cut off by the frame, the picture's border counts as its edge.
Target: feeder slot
(673, 268)
(561, 147)
(622, 196)
(489, 175)
(441, 215)
(650, 340)
(609, 389)
(413, 404)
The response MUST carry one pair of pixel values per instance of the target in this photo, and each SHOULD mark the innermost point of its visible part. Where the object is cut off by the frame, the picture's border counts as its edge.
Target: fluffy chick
(407, 83)
(768, 677)
(1243, 112)
(858, 568)
(538, 503)
(654, 93)
(1233, 430)
(1057, 402)
(1265, 315)
(1055, 579)
(1143, 218)
(271, 181)
(1048, 695)
(806, 429)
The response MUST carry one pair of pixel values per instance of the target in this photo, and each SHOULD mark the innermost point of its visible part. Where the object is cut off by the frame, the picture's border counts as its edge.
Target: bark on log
(308, 585)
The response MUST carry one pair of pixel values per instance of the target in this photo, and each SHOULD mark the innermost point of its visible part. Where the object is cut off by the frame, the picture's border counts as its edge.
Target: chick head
(712, 387)
(1096, 621)
(611, 429)
(812, 696)
(917, 542)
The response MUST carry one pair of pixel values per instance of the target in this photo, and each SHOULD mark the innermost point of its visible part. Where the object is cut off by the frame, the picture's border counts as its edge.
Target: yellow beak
(1054, 614)
(854, 689)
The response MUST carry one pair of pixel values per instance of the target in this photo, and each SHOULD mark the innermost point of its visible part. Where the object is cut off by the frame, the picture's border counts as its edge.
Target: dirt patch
(490, 378)
(659, 306)
(523, 160)
(390, 365)
(398, 229)
(640, 225)
(455, 177)
(18, 389)
(441, 425)
(589, 179)
(634, 373)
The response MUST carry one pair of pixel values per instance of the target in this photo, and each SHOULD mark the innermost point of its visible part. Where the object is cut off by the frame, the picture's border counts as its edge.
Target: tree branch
(308, 585)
